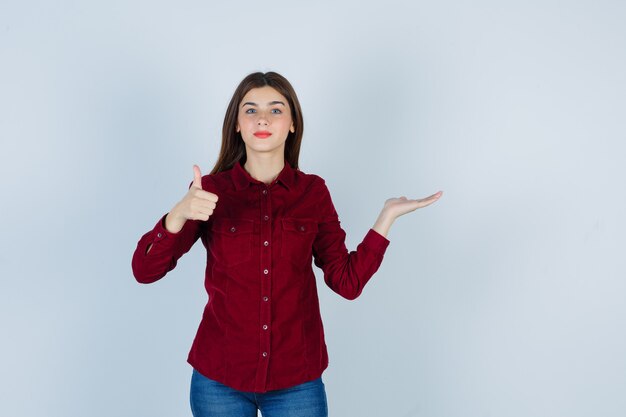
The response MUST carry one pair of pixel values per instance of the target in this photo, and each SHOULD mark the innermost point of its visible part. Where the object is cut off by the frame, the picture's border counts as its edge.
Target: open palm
(398, 206)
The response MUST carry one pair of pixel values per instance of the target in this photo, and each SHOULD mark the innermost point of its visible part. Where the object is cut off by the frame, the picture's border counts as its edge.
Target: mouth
(262, 134)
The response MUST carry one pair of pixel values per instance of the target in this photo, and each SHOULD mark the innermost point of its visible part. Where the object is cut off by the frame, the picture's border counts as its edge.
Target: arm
(175, 233)
(345, 272)
(158, 250)
(172, 224)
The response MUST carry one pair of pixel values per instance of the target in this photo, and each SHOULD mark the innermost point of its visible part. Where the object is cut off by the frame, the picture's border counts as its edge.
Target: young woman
(260, 344)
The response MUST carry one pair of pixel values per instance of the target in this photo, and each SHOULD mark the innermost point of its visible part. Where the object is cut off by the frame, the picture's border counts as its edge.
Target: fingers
(201, 213)
(399, 206)
(199, 208)
(197, 177)
(205, 195)
(201, 204)
(428, 200)
(433, 197)
(201, 217)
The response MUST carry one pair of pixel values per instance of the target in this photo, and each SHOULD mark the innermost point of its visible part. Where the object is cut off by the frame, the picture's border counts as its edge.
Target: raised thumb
(197, 177)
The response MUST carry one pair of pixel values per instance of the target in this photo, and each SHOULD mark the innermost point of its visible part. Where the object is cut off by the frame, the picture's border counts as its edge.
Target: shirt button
(264, 191)
(266, 217)
(232, 229)
(159, 234)
(265, 327)
(266, 243)
(265, 298)
(264, 354)
(302, 228)
(265, 271)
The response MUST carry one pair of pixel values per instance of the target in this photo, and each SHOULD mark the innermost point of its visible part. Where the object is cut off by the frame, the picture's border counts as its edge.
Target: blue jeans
(210, 398)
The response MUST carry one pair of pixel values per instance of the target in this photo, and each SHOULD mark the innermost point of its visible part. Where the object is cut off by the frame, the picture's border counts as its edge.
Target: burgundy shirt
(261, 329)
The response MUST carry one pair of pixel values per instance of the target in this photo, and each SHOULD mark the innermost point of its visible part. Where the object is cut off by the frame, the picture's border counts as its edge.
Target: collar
(242, 179)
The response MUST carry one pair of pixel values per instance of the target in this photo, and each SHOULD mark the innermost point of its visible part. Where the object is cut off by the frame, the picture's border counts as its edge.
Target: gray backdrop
(505, 298)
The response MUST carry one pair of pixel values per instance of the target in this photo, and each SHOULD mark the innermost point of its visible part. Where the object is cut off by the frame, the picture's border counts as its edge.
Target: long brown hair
(233, 147)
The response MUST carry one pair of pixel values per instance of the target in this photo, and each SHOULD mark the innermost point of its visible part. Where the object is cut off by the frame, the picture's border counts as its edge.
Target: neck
(264, 169)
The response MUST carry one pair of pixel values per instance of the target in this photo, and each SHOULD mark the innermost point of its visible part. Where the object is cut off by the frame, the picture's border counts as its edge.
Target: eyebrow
(271, 103)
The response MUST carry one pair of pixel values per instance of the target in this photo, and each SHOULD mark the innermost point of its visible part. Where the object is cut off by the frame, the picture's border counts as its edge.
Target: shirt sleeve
(166, 249)
(345, 272)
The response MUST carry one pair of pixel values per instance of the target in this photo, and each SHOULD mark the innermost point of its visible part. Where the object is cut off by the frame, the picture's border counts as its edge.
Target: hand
(396, 207)
(197, 204)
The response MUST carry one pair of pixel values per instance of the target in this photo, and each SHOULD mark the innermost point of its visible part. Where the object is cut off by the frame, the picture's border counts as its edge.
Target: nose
(262, 118)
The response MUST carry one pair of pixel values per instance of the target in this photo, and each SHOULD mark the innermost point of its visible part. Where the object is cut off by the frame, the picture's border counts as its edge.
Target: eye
(250, 111)
(276, 111)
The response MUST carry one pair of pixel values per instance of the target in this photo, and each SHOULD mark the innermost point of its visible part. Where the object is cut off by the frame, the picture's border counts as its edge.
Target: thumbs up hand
(197, 204)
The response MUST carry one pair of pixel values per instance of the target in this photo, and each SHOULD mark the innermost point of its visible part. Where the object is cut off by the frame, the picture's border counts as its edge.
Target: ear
(237, 128)
(292, 129)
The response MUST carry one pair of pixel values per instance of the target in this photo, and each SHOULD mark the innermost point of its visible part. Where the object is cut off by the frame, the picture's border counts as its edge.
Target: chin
(264, 147)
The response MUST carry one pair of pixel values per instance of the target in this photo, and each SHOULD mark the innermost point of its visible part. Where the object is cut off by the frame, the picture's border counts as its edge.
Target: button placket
(265, 318)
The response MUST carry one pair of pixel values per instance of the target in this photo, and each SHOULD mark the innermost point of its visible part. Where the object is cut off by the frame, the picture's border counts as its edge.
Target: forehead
(262, 96)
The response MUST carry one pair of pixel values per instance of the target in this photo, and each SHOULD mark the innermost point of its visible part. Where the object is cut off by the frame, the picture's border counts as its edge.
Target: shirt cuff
(160, 233)
(376, 241)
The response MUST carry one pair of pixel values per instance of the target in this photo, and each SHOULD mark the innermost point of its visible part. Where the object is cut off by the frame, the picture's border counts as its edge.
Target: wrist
(383, 223)
(173, 222)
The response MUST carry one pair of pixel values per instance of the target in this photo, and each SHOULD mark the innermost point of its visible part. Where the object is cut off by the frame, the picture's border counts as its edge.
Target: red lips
(262, 134)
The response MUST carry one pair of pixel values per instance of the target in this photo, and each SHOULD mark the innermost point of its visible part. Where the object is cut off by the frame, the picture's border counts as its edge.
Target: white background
(505, 298)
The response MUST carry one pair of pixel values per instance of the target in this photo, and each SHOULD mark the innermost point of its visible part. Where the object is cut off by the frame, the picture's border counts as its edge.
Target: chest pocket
(297, 240)
(232, 240)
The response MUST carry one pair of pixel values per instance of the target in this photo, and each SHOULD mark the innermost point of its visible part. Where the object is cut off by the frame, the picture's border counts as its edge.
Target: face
(264, 120)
